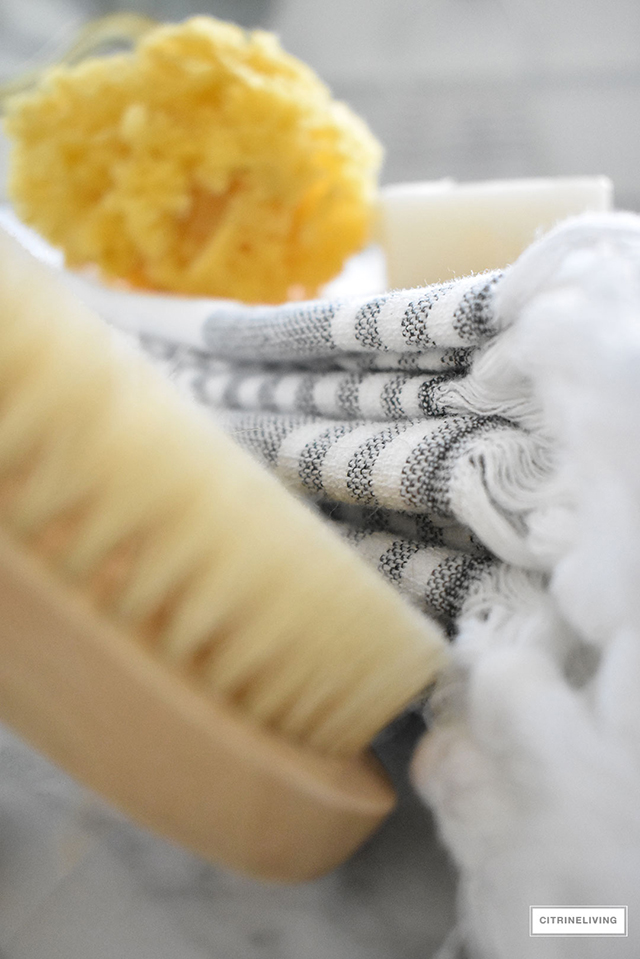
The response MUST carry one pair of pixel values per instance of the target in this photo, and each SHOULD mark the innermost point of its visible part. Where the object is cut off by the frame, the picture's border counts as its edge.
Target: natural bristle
(180, 539)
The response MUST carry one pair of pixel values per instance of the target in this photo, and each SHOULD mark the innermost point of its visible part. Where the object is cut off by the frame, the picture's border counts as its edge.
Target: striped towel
(379, 410)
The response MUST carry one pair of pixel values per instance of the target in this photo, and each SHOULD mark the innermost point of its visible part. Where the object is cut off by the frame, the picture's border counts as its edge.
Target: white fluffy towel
(533, 764)
(479, 442)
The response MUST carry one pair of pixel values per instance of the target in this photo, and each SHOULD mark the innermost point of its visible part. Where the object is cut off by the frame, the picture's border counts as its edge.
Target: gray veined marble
(78, 882)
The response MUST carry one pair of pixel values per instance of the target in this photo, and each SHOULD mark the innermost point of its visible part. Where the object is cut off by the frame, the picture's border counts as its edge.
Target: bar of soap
(434, 231)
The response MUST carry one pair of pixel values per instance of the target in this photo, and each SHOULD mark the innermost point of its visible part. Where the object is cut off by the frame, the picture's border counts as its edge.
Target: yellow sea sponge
(205, 161)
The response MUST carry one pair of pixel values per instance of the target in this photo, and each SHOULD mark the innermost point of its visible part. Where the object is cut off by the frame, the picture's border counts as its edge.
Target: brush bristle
(133, 497)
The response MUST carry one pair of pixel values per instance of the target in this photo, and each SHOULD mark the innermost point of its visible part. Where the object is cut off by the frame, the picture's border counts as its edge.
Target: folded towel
(374, 409)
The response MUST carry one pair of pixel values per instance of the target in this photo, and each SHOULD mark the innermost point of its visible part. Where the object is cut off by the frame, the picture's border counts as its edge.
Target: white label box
(578, 921)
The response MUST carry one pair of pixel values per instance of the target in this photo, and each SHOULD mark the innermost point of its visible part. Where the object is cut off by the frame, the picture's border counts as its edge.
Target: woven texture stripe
(377, 410)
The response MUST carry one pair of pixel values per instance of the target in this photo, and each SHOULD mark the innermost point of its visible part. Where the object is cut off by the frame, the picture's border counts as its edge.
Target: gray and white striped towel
(381, 411)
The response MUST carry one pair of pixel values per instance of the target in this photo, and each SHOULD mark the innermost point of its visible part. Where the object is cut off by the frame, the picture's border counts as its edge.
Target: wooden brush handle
(115, 717)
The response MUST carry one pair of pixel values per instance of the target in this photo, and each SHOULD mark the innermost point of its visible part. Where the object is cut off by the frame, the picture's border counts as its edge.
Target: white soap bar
(437, 230)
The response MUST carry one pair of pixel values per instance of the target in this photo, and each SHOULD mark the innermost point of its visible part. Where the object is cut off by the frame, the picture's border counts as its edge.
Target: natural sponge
(204, 161)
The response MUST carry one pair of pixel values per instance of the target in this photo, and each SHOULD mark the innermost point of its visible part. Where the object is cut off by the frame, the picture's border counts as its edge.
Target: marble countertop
(78, 882)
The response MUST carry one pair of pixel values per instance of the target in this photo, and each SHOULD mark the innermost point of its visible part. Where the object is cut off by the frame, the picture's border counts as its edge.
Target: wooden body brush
(176, 630)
